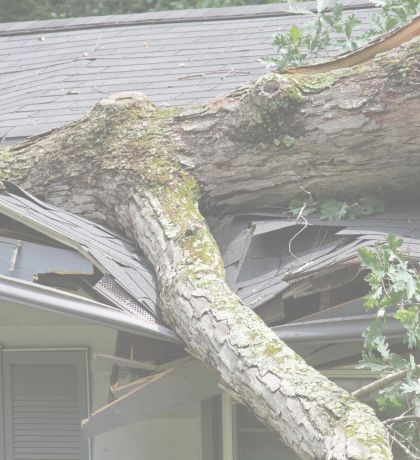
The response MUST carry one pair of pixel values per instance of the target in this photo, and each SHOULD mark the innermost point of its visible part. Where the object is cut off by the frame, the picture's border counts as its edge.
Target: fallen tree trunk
(146, 170)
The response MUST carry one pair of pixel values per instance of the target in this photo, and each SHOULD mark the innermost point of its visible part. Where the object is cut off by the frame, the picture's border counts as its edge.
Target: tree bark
(146, 171)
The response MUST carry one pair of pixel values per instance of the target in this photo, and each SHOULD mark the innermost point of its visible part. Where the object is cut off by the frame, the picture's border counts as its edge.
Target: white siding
(175, 435)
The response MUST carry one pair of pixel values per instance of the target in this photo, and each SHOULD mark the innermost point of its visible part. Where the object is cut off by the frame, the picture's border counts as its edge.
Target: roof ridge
(165, 17)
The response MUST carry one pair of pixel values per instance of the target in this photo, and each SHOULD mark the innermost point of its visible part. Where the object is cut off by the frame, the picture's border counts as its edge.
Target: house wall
(175, 435)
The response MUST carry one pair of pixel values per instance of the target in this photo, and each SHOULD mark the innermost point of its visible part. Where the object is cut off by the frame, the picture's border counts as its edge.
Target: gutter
(56, 301)
(345, 329)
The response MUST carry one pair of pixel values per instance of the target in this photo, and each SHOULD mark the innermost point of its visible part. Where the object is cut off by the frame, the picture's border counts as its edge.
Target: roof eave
(55, 301)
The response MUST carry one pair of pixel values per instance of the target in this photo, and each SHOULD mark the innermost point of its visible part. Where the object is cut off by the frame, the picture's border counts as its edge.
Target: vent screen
(271, 311)
(110, 289)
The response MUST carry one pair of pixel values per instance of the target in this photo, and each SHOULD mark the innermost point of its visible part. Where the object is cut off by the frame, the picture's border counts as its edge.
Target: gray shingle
(33, 71)
(31, 130)
(116, 255)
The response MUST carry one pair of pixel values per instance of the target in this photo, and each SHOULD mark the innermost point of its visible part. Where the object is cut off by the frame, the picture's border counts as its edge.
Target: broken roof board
(175, 58)
(111, 257)
(176, 387)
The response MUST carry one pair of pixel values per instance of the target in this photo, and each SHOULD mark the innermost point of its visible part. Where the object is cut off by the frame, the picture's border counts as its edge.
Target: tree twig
(300, 215)
(368, 389)
(402, 418)
(5, 134)
(99, 91)
(415, 457)
(406, 440)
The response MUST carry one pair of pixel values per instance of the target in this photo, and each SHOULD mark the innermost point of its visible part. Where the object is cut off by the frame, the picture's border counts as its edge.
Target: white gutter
(56, 301)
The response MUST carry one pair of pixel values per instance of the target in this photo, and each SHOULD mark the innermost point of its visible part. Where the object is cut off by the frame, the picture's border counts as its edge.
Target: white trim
(199, 431)
(88, 398)
(349, 372)
(2, 434)
(227, 427)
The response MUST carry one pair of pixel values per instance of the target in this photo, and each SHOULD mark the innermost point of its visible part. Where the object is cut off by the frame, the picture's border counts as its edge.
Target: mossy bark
(147, 171)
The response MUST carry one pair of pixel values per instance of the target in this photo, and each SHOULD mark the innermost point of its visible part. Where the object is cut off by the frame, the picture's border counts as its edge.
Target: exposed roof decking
(113, 254)
(140, 53)
(255, 247)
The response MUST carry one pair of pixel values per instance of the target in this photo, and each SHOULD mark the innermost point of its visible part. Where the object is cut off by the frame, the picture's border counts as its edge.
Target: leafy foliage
(301, 206)
(31, 10)
(331, 27)
(394, 281)
(333, 209)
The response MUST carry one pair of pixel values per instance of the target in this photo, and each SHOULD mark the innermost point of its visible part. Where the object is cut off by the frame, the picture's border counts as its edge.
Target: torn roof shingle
(111, 253)
(258, 262)
(174, 57)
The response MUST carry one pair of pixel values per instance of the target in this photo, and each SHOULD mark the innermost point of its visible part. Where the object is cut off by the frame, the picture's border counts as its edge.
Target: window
(44, 400)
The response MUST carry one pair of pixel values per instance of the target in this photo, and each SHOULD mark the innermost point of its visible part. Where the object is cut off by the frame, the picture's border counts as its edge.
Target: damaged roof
(53, 72)
(270, 256)
(128, 281)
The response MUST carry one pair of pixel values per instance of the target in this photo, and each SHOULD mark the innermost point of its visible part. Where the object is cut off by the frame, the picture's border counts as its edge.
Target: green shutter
(44, 402)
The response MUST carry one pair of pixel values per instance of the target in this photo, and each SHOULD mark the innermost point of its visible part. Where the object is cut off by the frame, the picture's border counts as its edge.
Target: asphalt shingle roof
(112, 253)
(52, 72)
(257, 258)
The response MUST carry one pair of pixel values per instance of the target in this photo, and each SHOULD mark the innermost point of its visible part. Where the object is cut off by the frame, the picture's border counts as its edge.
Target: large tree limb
(145, 170)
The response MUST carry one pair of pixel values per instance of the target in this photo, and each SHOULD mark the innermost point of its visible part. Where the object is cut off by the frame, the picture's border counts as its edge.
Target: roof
(53, 72)
(122, 264)
(262, 271)
(269, 257)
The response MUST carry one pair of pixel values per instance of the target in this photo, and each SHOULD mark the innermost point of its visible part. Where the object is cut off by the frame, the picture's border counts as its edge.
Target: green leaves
(322, 4)
(393, 283)
(411, 320)
(372, 333)
(315, 36)
(350, 24)
(371, 204)
(369, 361)
(392, 407)
(411, 387)
(296, 205)
(333, 209)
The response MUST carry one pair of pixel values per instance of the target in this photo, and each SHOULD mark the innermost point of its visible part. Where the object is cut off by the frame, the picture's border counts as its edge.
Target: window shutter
(45, 400)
